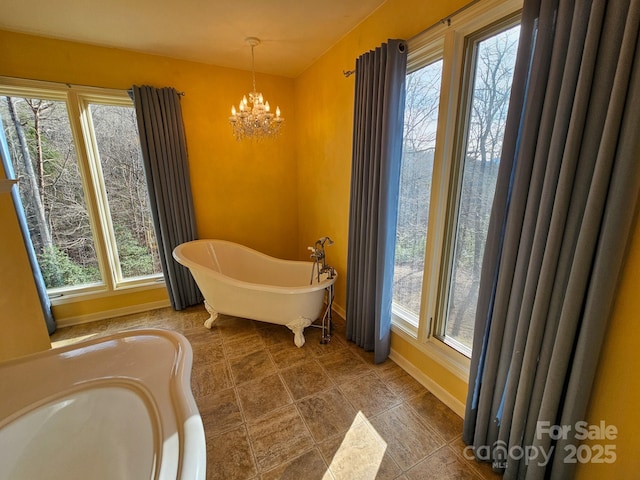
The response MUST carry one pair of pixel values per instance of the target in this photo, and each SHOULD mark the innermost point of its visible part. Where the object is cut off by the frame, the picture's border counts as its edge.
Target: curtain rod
(53, 84)
(180, 94)
(71, 85)
(446, 20)
(79, 85)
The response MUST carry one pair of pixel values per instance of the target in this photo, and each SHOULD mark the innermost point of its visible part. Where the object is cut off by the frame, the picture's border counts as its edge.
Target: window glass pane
(419, 140)
(495, 61)
(44, 159)
(121, 163)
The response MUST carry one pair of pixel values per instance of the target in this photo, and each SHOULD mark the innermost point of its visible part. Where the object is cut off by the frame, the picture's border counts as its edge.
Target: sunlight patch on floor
(68, 341)
(361, 452)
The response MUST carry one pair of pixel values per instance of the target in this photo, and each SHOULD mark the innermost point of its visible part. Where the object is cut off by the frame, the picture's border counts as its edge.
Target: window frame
(78, 100)
(448, 40)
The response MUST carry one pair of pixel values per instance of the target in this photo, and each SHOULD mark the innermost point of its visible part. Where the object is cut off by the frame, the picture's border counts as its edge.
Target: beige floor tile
(232, 328)
(163, 318)
(85, 329)
(443, 465)
(238, 347)
(279, 437)
(308, 466)
(483, 468)
(313, 336)
(220, 411)
(251, 366)
(306, 379)
(399, 381)
(207, 352)
(191, 317)
(409, 440)
(327, 414)
(202, 334)
(275, 334)
(367, 357)
(262, 396)
(369, 394)
(229, 456)
(440, 417)
(207, 378)
(343, 365)
(286, 355)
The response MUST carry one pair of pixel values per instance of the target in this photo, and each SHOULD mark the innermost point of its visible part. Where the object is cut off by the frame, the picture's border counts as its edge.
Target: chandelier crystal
(253, 117)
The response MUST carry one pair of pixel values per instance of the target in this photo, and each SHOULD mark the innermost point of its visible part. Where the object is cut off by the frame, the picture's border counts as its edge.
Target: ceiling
(293, 33)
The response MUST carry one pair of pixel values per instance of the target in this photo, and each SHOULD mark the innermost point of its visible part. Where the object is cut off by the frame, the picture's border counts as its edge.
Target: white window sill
(92, 293)
(450, 359)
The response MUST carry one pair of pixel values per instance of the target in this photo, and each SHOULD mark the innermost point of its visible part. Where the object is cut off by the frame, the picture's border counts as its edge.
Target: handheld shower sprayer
(321, 241)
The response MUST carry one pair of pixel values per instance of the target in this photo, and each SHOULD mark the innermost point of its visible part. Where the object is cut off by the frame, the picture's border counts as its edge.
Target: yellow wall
(21, 320)
(616, 393)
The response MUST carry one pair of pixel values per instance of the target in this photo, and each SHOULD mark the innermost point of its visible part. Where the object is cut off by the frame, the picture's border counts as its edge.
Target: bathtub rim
(170, 391)
(324, 282)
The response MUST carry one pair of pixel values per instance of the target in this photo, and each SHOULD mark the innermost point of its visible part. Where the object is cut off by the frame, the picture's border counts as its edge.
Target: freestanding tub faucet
(319, 268)
(319, 259)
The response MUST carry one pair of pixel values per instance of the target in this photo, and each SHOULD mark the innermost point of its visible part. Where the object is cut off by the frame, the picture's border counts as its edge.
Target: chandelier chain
(253, 68)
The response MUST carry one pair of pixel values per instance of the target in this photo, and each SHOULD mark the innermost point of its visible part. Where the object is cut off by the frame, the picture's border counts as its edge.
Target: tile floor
(272, 410)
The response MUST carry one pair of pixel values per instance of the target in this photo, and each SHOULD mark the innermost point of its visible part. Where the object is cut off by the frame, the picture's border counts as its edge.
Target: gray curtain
(375, 178)
(41, 288)
(564, 208)
(166, 165)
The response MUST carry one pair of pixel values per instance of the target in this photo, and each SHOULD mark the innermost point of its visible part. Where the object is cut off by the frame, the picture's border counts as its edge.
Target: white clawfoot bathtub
(236, 280)
(116, 407)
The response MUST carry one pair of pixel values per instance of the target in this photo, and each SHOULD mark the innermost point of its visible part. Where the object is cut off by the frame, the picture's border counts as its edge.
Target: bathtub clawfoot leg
(297, 327)
(214, 315)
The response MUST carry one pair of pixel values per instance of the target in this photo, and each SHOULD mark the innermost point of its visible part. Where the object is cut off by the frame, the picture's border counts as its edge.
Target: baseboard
(427, 382)
(116, 312)
(337, 309)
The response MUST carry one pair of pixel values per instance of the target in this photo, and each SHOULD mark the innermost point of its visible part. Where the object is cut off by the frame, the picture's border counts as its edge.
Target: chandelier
(253, 117)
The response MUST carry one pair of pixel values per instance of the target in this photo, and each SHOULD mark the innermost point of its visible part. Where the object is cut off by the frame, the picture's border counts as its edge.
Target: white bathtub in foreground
(236, 280)
(116, 407)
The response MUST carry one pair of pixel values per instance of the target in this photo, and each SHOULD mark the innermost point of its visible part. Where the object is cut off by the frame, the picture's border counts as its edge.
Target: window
(493, 56)
(76, 154)
(458, 86)
(416, 176)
